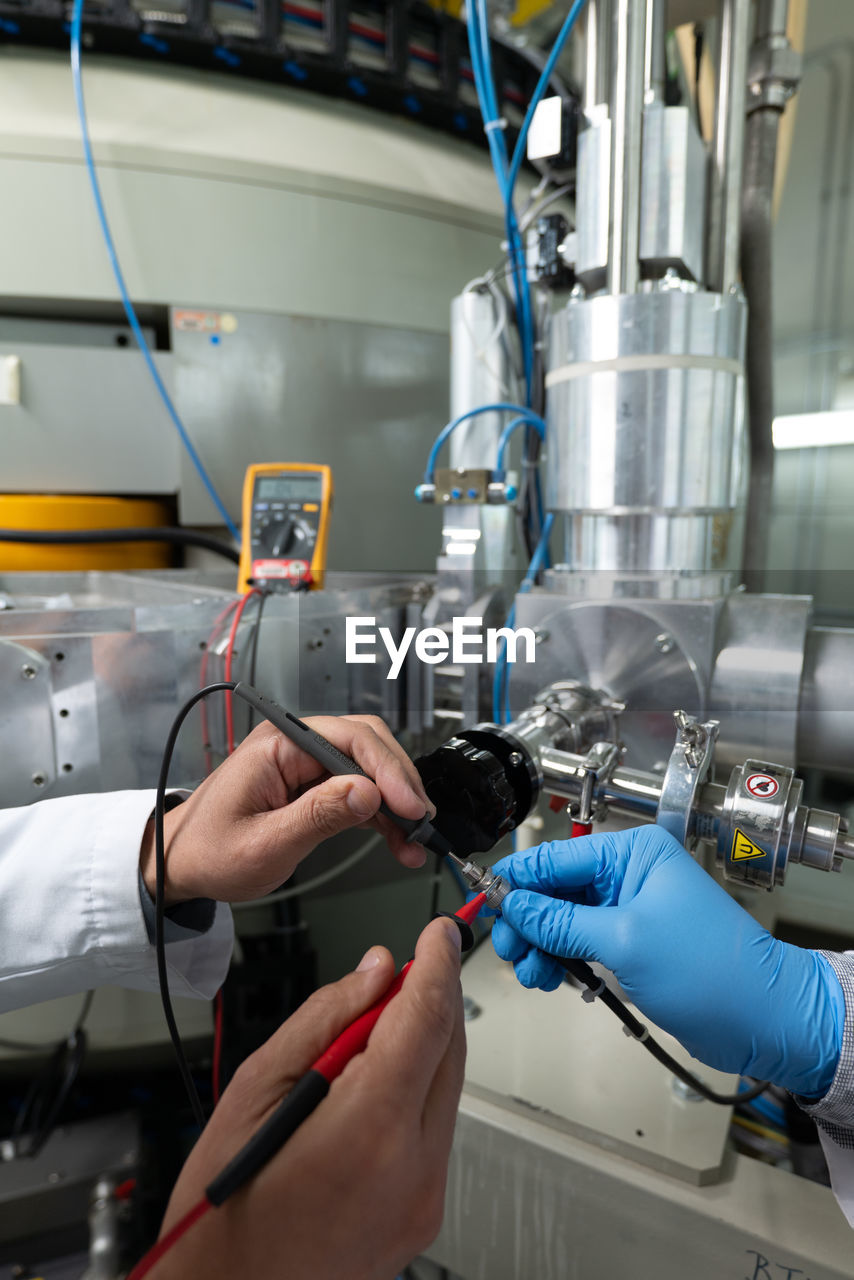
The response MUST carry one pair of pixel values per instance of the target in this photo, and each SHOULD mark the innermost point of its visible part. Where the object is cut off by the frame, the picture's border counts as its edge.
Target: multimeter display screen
(288, 488)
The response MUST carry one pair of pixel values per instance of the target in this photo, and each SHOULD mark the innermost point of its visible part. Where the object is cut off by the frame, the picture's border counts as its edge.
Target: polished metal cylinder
(629, 791)
(626, 116)
(597, 46)
(655, 69)
(772, 16)
(568, 715)
(480, 374)
(724, 209)
(645, 415)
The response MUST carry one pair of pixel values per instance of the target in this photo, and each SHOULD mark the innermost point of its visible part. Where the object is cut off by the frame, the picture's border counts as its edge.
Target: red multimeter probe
(297, 1106)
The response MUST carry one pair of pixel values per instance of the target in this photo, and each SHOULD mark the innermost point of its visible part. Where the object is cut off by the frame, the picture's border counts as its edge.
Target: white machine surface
(554, 1053)
(610, 1170)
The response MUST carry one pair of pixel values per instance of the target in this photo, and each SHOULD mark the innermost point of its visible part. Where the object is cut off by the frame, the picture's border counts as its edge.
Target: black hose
(582, 972)
(178, 537)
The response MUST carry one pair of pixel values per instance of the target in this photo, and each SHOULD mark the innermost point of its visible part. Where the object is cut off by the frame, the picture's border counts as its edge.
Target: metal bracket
(689, 764)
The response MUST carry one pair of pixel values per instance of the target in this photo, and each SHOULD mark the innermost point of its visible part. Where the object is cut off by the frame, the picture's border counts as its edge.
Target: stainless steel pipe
(728, 147)
(626, 115)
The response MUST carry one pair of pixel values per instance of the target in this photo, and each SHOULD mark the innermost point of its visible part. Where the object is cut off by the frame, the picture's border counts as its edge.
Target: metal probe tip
(483, 880)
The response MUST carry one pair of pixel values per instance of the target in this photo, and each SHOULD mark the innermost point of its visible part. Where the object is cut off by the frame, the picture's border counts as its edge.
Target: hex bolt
(471, 1009)
(664, 643)
(39, 779)
(28, 671)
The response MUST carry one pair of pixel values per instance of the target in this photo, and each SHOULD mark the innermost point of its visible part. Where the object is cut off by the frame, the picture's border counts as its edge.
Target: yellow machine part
(523, 12)
(78, 511)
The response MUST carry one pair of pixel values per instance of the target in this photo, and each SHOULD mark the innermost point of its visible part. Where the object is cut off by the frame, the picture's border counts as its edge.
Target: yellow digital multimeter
(286, 508)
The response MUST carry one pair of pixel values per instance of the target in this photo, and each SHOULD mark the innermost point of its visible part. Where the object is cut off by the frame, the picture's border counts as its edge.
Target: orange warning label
(196, 321)
(744, 849)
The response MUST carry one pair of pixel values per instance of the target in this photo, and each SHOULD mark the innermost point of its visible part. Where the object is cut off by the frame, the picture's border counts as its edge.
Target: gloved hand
(685, 953)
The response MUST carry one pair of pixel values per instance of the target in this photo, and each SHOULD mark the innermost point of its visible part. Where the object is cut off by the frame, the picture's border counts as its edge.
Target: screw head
(664, 643)
(28, 671)
(515, 758)
(39, 779)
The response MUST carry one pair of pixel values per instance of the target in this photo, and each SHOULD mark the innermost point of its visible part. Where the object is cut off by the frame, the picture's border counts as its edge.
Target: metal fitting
(498, 492)
(484, 880)
(764, 827)
(773, 73)
(599, 765)
(757, 822)
(689, 764)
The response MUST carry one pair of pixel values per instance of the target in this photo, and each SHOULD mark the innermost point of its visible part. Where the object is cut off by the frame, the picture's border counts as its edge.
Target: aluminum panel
(366, 399)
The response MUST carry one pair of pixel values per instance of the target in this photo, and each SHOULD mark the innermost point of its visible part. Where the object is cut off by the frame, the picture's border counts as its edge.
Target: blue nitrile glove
(685, 953)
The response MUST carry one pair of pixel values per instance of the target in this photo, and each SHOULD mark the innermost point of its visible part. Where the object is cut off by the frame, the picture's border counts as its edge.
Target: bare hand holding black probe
(419, 830)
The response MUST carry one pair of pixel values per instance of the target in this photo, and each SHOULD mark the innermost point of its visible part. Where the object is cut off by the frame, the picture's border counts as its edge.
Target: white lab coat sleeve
(71, 912)
(834, 1113)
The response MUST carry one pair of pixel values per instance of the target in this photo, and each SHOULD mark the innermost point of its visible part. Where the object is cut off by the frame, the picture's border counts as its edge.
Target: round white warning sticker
(762, 786)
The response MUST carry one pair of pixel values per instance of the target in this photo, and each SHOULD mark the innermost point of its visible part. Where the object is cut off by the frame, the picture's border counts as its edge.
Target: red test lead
(306, 1094)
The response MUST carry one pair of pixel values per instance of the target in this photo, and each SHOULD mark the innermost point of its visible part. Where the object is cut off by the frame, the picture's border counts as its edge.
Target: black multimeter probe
(419, 830)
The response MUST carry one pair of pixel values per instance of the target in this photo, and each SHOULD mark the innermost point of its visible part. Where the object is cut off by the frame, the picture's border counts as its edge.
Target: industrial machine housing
(668, 685)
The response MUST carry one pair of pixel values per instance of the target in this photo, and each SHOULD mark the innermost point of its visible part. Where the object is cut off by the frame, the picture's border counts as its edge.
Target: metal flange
(687, 769)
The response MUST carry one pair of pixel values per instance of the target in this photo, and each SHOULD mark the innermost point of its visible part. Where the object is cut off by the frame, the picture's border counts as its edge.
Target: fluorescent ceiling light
(814, 430)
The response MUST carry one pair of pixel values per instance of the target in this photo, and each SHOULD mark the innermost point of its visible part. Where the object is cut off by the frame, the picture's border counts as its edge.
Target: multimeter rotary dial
(285, 536)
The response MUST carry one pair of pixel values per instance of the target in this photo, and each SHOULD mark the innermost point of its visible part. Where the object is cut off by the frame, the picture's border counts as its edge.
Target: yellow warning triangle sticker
(743, 849)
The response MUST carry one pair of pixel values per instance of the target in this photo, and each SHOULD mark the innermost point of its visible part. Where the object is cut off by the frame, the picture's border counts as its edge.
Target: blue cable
(542, 84)
(133, 320)
(525, 420)
(765, 1106)
(499, 407)
(501, 679)
(479, 48)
